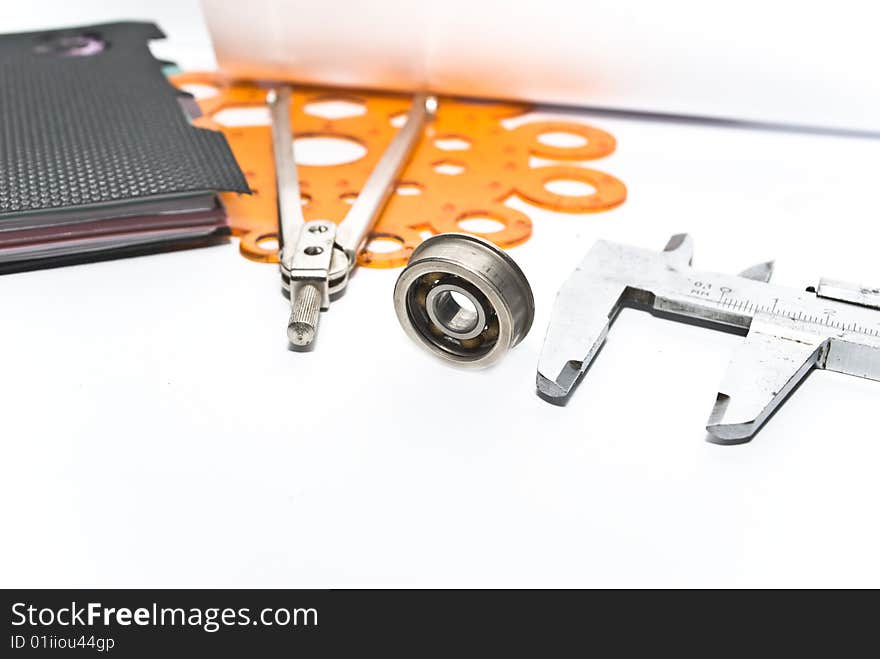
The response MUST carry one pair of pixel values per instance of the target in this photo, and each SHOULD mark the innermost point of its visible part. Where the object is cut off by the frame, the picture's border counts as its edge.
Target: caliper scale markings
(834, 326)
(827, 319)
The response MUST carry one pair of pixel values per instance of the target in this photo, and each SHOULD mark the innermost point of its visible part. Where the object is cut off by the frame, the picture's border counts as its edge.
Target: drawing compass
(318, 256)
(833, 326)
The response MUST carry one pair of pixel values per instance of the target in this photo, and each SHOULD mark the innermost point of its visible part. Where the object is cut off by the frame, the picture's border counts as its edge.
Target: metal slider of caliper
(318, 256)
(833, 326)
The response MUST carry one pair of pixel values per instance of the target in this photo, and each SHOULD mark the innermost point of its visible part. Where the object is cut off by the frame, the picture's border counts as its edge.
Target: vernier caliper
(833, 326)
(318, 256)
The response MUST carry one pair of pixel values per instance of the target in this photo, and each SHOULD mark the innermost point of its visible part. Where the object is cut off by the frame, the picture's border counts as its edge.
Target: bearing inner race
(457, 311)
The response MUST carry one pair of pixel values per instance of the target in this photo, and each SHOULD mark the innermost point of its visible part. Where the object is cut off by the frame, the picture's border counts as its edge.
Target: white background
(797, 61)
(156, 431)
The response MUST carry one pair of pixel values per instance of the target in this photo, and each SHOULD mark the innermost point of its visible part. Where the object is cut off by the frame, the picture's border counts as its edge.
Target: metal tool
(317, 257)
(834, 326)
(464, 299)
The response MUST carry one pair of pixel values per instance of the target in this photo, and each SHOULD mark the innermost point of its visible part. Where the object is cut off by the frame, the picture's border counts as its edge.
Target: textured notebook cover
(87, 116)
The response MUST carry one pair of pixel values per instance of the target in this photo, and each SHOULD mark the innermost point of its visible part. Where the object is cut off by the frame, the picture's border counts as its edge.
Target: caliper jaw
(574, 337)
(774, 358)
(587, 305)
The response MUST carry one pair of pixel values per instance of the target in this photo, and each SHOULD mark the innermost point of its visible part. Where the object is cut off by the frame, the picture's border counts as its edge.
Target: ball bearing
(464, 299)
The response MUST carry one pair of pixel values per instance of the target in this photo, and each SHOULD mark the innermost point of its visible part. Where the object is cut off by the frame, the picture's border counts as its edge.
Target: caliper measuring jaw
(834, 326)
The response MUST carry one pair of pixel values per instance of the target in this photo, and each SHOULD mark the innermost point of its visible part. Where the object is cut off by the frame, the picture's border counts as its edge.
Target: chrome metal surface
(456, 310)
(327, 270)
(464, 300)
(306, 309)
(788, 332)
(382, 181)
(290, 215)
(844, 292)
(310, 263)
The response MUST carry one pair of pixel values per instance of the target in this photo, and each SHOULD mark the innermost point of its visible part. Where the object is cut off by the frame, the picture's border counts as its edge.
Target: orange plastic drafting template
(465, 167)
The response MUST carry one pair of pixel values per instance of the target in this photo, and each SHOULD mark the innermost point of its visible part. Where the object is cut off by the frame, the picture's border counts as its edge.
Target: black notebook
(97, 151)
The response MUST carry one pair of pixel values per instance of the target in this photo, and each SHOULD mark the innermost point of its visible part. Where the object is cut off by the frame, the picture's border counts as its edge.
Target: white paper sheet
(784, 61)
